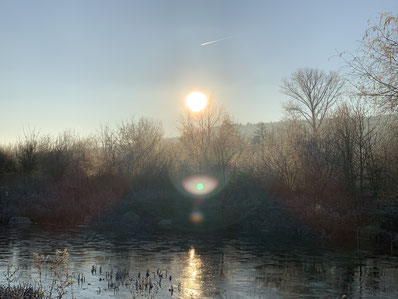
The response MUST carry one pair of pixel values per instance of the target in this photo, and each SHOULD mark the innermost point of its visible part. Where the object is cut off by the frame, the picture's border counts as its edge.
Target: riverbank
(151, 211)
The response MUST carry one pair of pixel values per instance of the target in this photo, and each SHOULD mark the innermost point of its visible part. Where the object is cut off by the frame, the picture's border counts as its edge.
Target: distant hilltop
(249, 129)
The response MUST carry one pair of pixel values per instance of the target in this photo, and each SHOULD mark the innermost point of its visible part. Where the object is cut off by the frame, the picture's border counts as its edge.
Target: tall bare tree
(312, 93)
(374, 71)
(198, 132)
(211, 140)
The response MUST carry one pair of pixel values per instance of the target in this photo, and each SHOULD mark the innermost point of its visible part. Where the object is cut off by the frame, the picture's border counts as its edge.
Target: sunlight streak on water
(191, 276)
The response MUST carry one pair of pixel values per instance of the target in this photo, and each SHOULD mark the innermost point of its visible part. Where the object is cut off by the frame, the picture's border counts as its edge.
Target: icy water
(210, 266)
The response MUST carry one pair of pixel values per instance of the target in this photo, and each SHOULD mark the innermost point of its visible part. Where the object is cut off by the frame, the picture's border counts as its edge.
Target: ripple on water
(213, 267)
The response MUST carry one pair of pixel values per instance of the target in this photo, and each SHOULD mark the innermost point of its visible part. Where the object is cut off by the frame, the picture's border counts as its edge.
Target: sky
(79, 64)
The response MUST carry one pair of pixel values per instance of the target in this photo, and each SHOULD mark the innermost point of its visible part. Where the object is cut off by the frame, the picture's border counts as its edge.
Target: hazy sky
(79, 64)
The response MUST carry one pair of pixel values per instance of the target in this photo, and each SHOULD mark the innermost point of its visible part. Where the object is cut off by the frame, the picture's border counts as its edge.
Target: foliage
(53, 275)
(374, 70)
(51, 279)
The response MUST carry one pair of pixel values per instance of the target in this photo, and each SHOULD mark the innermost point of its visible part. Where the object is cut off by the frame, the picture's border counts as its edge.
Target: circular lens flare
(196, 101)
(196, 217)
(200, 185)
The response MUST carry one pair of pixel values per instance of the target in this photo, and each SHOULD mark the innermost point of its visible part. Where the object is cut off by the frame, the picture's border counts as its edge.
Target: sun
(196, 101)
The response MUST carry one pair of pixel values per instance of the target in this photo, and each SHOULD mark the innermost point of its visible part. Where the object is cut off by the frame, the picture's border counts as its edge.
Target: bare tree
(354, 136)
(260, 134)
(198, 131)
(375, 69)
(27, 152)
(132, 146)
(256, 153)
(277, 154)
(312, 93)
(107, 146)
(7, 161)
(227, 146)
(211, 140)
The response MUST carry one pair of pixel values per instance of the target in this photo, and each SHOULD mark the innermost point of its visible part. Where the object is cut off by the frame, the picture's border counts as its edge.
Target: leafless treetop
(312, 93)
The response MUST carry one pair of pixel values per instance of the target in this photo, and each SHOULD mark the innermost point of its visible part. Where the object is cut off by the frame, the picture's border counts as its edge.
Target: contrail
(215, 41)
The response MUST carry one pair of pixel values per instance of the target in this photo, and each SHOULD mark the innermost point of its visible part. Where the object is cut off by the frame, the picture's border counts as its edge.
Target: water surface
(208, 266)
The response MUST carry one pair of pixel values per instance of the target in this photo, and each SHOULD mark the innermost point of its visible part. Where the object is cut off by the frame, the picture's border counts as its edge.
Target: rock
(131, 219)
(165, 223)
(7, 212)
(19, 220)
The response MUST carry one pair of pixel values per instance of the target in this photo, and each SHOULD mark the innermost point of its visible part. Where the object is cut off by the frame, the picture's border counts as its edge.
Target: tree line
(331, 160)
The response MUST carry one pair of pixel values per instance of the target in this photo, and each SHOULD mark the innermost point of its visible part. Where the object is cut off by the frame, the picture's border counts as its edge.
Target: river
(205, 266)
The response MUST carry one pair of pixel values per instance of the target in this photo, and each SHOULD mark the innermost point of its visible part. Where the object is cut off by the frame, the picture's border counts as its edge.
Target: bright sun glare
(196, 101)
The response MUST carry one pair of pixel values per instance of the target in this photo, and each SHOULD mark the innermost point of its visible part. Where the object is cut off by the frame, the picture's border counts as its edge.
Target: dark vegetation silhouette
(330, 168)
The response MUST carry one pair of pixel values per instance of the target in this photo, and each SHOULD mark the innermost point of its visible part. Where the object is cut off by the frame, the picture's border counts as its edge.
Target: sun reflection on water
(192, 276)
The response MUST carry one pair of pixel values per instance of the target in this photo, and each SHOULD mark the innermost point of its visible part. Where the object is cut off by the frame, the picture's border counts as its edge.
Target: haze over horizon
(79, 64)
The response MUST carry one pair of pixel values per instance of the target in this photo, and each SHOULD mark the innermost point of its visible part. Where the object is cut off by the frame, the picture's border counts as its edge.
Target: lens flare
(200, 185)
(196, 217)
